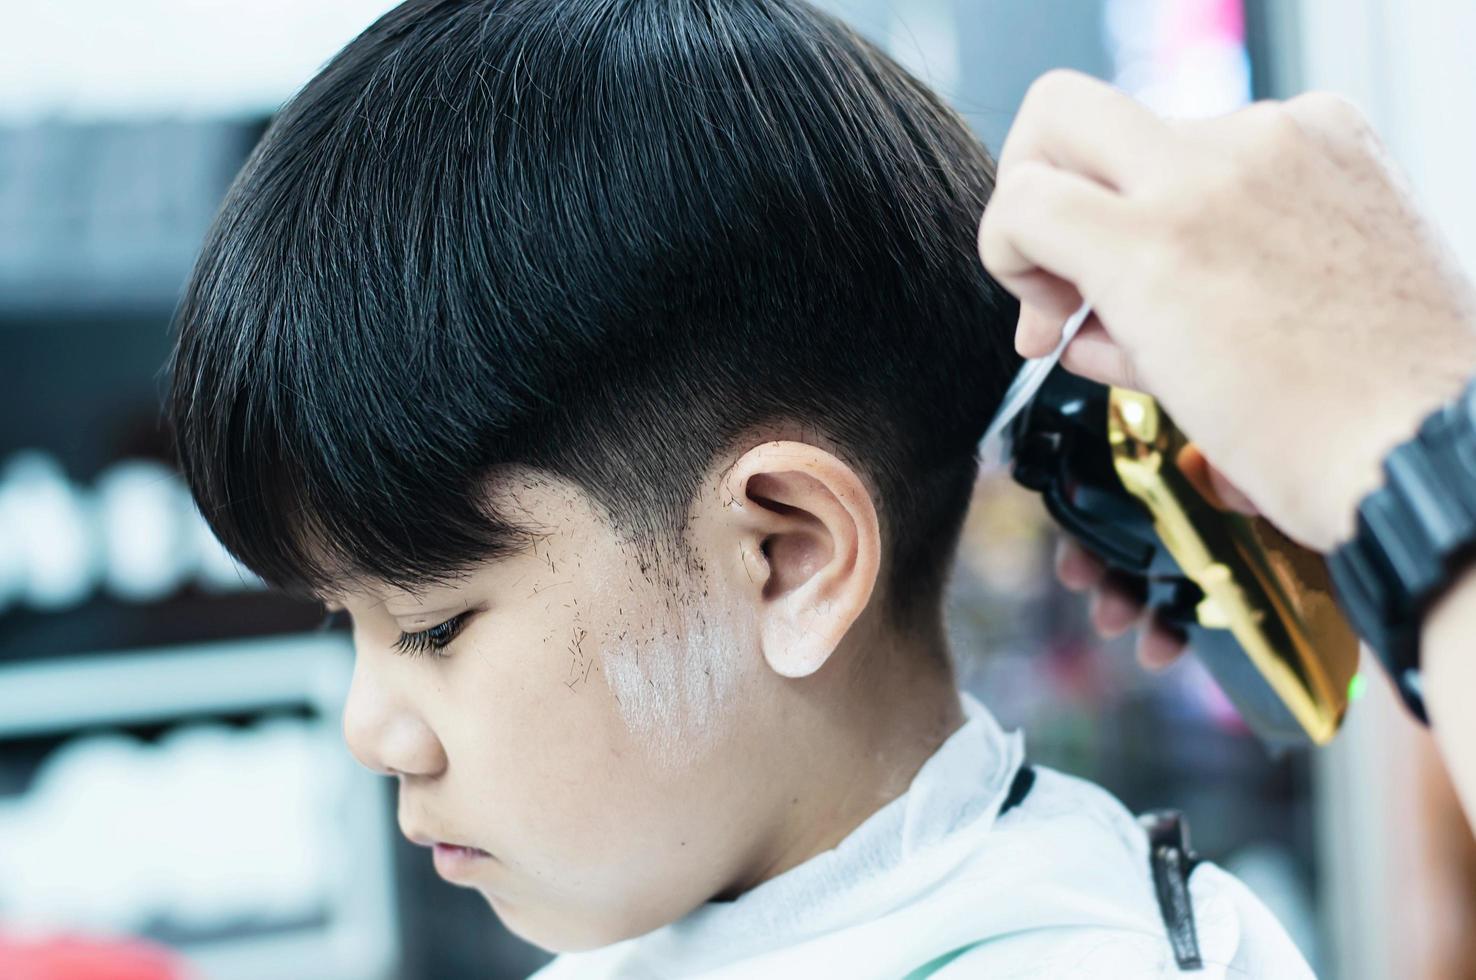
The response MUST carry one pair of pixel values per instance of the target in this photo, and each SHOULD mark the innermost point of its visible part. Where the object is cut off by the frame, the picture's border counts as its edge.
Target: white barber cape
(939, 884)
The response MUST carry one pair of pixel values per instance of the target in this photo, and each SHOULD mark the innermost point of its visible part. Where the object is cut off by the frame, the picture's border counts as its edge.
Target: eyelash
(434, 640)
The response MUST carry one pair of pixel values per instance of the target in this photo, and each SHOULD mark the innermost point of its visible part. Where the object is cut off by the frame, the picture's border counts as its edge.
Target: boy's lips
(452, 860)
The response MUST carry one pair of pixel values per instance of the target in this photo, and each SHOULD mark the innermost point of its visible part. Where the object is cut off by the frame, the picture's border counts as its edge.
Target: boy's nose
(385, 734)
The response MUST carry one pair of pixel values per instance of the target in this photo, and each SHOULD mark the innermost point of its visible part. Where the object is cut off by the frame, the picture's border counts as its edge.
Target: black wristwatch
(1414, 537)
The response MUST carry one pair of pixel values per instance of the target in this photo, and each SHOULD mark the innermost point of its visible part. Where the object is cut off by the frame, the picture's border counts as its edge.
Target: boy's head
(625, 359)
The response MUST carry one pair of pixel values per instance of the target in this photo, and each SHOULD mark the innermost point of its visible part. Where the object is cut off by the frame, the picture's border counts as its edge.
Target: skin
(1268, 277)
(627, 743)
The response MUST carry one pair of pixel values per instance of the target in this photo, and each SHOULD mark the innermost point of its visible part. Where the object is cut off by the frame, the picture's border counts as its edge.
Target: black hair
(600, 238)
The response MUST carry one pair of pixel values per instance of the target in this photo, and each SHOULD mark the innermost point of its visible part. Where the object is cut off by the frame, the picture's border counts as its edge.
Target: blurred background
(154, 703)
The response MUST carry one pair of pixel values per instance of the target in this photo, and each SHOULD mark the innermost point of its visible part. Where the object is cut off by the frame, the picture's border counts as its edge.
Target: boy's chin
(550, 930)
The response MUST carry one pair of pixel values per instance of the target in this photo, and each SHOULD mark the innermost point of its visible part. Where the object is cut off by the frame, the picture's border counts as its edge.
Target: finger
(1231, 496)
(1116, 605)
(1039, 331)
(1159, 645)
(1045, 226)
(1083, 125)
(1094, 354)
(1076, 568)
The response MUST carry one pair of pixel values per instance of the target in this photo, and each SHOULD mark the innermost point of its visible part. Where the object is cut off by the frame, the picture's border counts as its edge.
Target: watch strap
(1413, 536)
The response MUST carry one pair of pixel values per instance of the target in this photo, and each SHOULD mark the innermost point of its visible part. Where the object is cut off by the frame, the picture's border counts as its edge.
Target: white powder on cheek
(670, 658)
(674, 678)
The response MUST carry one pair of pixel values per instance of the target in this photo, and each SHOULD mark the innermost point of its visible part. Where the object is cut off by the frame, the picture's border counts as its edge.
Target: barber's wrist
(1445, 649)
(1414, 545)
(1358, 471)
(1449, 677)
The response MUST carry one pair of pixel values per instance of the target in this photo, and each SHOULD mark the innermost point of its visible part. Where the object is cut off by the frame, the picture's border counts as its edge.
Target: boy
(618, 366)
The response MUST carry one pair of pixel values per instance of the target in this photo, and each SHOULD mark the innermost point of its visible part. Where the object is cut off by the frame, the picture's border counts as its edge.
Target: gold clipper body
(1272, 595)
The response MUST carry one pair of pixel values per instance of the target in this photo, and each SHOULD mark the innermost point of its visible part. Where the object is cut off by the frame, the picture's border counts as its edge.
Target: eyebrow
(460, 605)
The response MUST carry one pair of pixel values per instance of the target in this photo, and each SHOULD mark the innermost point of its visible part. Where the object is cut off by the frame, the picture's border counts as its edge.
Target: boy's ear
(807, 535)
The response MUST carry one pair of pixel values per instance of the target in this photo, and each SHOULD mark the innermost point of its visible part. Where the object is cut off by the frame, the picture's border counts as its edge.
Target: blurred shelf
(106, 625)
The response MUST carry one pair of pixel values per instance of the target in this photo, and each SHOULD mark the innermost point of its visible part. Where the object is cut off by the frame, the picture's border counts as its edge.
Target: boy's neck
(895, 708)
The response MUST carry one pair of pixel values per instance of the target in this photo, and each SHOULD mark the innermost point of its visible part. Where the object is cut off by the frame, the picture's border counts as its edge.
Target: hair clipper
(1116, 472)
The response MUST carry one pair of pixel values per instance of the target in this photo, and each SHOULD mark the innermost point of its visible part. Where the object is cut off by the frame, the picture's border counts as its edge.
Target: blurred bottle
(72, 958)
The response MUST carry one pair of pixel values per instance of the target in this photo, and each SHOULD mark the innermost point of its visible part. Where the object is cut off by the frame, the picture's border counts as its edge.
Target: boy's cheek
(595, 832)
(584, 814)
(541, 736)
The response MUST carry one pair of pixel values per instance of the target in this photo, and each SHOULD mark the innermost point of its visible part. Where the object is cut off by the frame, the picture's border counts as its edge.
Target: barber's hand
(1117, 598)
(1264, 275)
(1117, 604)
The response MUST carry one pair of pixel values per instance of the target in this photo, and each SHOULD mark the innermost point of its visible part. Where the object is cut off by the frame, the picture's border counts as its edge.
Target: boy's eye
(432, 640)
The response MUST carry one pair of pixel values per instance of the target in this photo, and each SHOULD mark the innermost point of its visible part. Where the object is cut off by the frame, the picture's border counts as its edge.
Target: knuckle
(995, 248)
(1274, 132)
(1257, 137)
(994, 225)
(1016, 194)
(1331, 112)
(1053, 87)
(1025, 181)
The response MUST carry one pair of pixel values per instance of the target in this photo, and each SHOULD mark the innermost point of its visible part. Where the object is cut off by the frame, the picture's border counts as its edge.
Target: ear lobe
(813, 530)
(799, 639)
